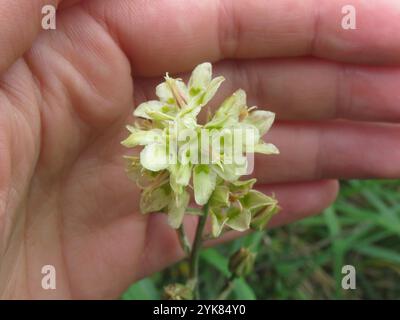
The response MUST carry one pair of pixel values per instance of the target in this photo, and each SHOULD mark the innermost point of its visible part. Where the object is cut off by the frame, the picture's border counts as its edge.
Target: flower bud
(262, 208)
(261, 217)
(241, 262)
(177, 291)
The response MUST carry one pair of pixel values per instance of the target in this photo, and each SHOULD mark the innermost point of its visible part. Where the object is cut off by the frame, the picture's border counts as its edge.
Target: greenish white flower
(178, 153)
(237, 206)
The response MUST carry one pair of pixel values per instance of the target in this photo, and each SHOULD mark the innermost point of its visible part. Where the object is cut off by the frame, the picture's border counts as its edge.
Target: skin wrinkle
(61, 238)
(14, 247)
(31, 223)
(228, 33)
(9, 290)
(316, 26)
(45, 105)
(45, 129)
(259, 90)
(111, 124)
(26, 28)
(26, 260)
(344, 102)
(318, 159)
(102, 20)
(14, 190)
(6, 173)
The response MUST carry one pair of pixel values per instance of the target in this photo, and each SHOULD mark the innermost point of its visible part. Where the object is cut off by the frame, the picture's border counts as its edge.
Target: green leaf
(217, 260)
(142, 290)
(243, 291)
(380, 253)
(338, 247)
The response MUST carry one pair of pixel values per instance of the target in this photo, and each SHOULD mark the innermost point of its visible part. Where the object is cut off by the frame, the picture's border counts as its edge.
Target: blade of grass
(338, 247)
(380, 253)
(142, 290)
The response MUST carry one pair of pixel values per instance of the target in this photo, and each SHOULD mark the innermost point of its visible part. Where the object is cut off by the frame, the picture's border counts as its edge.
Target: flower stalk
(195, 253)
(183, 161)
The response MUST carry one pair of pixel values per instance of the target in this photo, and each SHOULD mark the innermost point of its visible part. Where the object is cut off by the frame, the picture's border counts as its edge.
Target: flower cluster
(180, 154)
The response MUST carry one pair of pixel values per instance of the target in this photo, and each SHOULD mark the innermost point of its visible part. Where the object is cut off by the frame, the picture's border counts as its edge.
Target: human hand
(66, 95)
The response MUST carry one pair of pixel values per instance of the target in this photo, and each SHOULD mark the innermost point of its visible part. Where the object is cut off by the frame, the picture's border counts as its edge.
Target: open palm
(66, 95)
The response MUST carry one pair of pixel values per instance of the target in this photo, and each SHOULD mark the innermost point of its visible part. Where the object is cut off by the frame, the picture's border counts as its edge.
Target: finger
(19, 24)
(307, 89)
(175, 35)
(313, 89)
(68, 3)
(336, 149)
(297, 200)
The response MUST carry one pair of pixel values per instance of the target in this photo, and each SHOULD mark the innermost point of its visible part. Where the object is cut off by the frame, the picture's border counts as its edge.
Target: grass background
(304, 260)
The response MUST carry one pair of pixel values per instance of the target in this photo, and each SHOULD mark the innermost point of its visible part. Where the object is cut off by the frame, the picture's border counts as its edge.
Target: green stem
(195, 254)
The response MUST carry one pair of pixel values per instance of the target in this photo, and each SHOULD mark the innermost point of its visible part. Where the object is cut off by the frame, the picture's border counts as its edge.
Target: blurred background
(304, 260)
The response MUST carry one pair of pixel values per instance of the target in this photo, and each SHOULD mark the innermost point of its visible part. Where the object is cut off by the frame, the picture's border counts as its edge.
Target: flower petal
(164, 93)
(261, 119)
(238, 219)
(133, 167)
(218, 221)
(247, 134)
(213, 88)
(260, 218)
(149, 106)
(200, 78)
(255, 199)
(229, 111)
(204, 180)
(208, 94)
(181, 174)
(266, 148)
(155, 200)
(154, 157)
(220, 197)
(182, 88)
(141, 137)
(177, 208)
(228, 172)
(241, 187)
